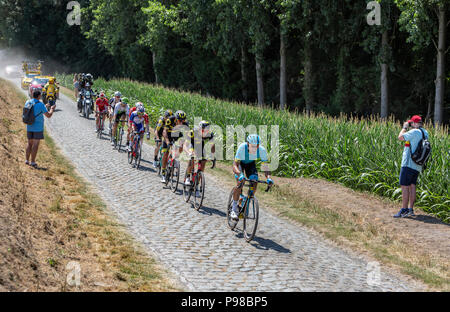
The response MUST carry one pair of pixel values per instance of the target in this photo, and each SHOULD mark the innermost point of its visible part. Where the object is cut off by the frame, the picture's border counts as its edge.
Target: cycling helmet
(125, 100)
(180, 115)
(254, 139)
(117, 93)
(203, 124)
(168, 113)
(51, 80)
(102, 95)
(139, 104)
(140, 109)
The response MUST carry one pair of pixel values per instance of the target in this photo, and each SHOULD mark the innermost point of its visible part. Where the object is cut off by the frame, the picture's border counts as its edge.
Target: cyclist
(139, 123)
(121, 111)
(116, 98)
(177, 133)
(101, 110)
(245, 163)
(159, 132)
(197, 139)
(132, 110)
(168, 139)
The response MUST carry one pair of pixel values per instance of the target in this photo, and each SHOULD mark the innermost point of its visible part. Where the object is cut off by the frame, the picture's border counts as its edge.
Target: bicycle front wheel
(199, 190)
(187, 189)
(138, 155)
(251, 215)
(119, 145)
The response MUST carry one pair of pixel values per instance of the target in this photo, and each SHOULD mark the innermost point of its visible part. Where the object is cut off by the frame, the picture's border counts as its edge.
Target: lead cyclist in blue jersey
(245, 163)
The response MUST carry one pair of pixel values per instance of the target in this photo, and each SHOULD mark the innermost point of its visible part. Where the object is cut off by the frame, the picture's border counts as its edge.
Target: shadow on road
(262, 243)
(144, 168)
(266, 244)
(211, 211)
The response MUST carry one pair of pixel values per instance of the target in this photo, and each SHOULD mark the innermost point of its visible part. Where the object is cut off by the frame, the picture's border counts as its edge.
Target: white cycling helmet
(117, 93)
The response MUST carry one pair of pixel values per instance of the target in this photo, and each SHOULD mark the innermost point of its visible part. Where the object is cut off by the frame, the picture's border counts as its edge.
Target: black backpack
(422, 152)
(28, 116)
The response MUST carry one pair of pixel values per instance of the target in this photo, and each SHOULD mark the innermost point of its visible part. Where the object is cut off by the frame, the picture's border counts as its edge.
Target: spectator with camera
(411, 166)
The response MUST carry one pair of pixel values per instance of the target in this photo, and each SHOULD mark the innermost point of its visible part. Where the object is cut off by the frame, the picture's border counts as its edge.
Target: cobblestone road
(198, 246)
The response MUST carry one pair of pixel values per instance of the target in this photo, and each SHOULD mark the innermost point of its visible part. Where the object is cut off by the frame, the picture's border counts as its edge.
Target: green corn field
(360, 154)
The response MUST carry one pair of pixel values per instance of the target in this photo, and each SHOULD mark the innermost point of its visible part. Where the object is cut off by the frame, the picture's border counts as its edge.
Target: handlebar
(269, 185)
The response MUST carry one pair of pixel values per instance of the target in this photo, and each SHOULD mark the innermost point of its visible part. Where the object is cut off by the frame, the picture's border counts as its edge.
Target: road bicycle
(100, 128)
(136, 150)
(158, 157)
(197, 185)
(172, 171)
(119, 135)
(248, 209)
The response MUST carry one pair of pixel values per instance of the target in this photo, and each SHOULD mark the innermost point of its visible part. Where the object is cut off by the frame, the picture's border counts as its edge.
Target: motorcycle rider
(51, 88)
(87, 88)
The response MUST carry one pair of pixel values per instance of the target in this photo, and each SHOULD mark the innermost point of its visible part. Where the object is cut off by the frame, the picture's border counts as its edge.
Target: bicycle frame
(120, 126)
(251, 191)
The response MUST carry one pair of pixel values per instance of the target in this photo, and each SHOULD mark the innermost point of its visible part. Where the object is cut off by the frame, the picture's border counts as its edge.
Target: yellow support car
(30, 71)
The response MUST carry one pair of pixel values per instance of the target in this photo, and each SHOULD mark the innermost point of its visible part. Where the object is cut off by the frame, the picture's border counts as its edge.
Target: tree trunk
(154, 67)
(244, 74)
(440, 73)
(308, 81)
(384, 77)
(282, 72)
(259, 81)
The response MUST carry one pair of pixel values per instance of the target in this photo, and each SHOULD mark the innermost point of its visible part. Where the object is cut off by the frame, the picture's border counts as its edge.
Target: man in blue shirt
(35, 132)
(409, 169)
(245, 162)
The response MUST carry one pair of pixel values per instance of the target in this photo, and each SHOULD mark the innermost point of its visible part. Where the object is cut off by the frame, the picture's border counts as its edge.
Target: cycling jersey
(121, 111)
(139, 122)
(197, 140)
(245, 157)
(170, 123)
(112, 102)
(160, 126)
(177, 131)
(102, 104)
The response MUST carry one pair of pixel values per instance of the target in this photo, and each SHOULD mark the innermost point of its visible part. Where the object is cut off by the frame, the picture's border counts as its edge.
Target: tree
(426, 20)
(160, 21)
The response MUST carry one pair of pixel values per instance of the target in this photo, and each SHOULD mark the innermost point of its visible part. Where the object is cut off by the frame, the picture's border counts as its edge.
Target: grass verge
(63, 221)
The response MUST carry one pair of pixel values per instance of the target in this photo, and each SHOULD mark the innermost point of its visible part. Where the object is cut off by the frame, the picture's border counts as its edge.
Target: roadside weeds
(63, 221)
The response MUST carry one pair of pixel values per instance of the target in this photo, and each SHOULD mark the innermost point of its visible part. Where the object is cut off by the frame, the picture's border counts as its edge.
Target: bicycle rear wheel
(251, 215)
(187, 189)
(175, 177)
(200, 187)
(169, 171)
(231, 223)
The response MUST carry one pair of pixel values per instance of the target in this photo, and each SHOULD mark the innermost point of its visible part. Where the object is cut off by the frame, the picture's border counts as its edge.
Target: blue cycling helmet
(254, 139)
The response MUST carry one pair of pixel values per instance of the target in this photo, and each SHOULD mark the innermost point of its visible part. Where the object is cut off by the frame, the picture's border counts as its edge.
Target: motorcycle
(50, 98)
(88, 104)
